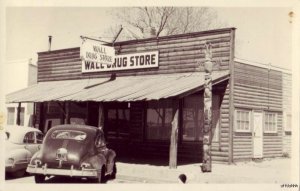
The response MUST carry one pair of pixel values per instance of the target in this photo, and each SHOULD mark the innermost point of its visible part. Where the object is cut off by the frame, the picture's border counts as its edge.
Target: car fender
(19, 155)
(36, 155)
(97, 161)
(111, 156)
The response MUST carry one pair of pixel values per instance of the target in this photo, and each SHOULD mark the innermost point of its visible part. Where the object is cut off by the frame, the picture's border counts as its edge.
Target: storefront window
(192, 118)
(52, 108)
(117, 123)
(78, 111)
(159, 120)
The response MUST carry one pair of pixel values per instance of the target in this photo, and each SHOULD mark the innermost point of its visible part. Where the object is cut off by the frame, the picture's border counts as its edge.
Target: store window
(192, 118)
(78, 111)
(242, 121)
(270, 123)
(51, 122)
(10, 116)
(159, 120)
(117, 123)
(53, 108)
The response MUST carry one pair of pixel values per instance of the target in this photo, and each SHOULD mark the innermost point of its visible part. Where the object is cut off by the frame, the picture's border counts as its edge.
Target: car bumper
(34, 169)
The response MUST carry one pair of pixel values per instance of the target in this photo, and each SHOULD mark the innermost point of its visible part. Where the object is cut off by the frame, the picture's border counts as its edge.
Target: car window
(68, 134)
(29, 138)
(100, 142)
(39, 138)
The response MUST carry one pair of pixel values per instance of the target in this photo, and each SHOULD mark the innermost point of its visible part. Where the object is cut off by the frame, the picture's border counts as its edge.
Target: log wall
(287, 109)
(257, 89)
(178, 53)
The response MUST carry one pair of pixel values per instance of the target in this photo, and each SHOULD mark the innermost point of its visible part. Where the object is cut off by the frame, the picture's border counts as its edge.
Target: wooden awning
(122, 89)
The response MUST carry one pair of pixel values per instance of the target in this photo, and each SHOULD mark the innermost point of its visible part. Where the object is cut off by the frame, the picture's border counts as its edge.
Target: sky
(263, 34)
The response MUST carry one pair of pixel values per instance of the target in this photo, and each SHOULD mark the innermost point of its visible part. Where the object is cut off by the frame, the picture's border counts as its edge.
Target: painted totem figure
(208, 65)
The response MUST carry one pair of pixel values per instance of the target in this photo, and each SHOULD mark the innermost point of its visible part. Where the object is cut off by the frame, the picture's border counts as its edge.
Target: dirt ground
(275, 170)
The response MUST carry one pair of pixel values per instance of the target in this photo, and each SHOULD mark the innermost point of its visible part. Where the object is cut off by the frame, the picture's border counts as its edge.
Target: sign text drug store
(98, 58)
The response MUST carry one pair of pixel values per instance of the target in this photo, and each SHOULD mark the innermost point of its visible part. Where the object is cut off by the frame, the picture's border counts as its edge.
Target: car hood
(9, 146)
(74, 152)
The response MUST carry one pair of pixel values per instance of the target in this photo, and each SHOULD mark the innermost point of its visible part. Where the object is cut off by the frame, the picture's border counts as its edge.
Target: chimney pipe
(50, 39)
(149, 32)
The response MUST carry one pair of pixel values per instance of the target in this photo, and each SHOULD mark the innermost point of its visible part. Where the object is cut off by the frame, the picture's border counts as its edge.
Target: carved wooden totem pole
(208, 65)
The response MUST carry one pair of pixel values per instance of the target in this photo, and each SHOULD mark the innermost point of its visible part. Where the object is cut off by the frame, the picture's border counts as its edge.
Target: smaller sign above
(92, 51)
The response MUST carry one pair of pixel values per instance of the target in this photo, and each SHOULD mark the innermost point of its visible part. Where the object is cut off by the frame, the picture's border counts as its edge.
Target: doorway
(257, 134)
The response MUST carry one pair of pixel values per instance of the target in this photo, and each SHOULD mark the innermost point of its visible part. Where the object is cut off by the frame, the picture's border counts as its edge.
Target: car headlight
(85, 165)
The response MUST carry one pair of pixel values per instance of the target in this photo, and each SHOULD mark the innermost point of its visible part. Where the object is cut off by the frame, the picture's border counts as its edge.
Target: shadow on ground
(70, 180)
(156, 161)
(10, 176)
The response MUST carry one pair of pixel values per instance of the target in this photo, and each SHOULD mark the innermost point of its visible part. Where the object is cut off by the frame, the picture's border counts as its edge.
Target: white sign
(94, 52)
(124, 62)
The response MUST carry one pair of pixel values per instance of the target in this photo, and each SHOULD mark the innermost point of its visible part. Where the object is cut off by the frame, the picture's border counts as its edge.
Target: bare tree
(137, 21)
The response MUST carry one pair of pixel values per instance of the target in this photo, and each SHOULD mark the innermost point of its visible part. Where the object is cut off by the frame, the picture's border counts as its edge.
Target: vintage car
(75, 151)
(20, 145)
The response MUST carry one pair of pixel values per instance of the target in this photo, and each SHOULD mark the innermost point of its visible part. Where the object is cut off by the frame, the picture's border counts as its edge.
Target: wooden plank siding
(178, 53)
(287, 111)
(257, 88)
(220, 148)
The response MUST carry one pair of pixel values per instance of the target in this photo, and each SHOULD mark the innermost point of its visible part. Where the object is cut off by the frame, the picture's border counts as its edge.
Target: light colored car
(20, 145)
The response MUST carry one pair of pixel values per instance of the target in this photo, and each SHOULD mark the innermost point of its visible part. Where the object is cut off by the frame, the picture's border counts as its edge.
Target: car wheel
(114, 172)
(39, 178)
(101, 176)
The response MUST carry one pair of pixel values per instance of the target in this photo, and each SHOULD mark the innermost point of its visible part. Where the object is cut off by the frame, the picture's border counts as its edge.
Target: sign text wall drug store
(97, 58)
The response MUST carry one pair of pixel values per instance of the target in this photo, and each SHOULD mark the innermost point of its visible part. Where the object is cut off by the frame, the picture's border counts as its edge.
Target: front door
(257, 135)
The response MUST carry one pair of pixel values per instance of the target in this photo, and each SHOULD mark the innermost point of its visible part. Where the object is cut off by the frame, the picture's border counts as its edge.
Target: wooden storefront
(142, 127)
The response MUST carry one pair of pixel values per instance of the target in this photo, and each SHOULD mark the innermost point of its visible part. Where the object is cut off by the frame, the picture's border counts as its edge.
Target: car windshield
(69, 134)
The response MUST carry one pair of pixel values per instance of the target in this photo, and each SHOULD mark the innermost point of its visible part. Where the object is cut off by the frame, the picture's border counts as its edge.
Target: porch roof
(127, 88)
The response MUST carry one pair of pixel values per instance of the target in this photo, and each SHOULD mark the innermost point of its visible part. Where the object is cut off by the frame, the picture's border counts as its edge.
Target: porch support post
(18, 114)
(174, 141)
(206, 166)
(67, 112)
(101, 116)
(42, 116)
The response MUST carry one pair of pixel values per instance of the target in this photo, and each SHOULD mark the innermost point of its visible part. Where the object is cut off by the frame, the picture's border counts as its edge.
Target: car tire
(101, 176)
(114, 172)
(39, 178)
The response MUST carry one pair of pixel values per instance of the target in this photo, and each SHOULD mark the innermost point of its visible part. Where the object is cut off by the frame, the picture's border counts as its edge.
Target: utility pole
(208, 65)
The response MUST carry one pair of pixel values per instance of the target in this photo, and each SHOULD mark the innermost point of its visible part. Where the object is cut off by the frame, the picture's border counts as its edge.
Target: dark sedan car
(75, 151)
